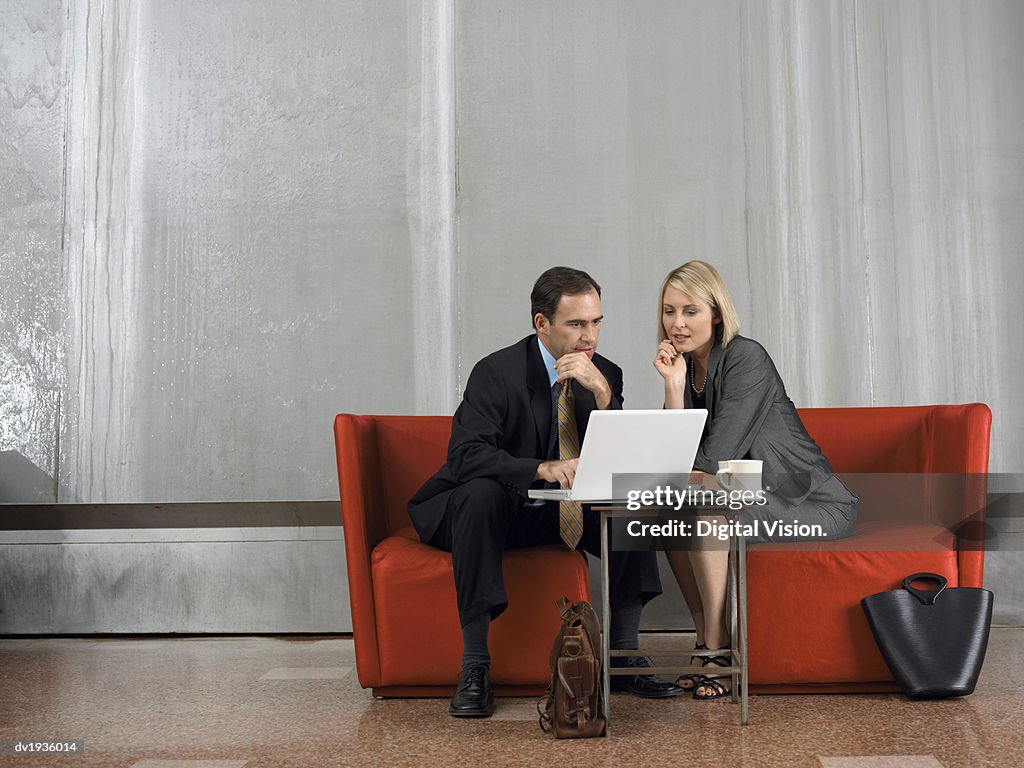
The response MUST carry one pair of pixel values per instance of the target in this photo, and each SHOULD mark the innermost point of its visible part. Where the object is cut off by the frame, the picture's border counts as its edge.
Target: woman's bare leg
(710, 564)
(711, 574)
(680, 564)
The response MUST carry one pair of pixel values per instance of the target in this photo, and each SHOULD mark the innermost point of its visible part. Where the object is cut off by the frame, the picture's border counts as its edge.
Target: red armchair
(404, 616)
(807, 632)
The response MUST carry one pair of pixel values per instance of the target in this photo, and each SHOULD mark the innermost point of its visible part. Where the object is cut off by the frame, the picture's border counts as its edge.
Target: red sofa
(807, 631)
(404, 616)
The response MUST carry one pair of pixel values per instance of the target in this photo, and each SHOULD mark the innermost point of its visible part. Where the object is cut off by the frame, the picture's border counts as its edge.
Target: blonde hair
(702, 281)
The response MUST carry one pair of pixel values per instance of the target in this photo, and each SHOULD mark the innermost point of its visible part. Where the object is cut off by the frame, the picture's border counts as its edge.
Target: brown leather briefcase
(572, 706)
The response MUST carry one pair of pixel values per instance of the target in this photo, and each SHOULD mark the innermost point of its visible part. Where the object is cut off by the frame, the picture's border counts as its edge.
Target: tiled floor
(261, 702)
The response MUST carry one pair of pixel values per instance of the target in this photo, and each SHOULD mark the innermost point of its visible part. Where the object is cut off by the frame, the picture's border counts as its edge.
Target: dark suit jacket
(750, 416)
(501, 430)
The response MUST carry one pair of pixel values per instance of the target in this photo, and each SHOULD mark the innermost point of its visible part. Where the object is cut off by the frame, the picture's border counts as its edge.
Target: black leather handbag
(933, 641)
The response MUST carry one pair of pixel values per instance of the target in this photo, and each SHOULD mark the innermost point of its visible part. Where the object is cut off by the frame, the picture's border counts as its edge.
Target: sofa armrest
(960, 438)
(355, 442)
(960, 445)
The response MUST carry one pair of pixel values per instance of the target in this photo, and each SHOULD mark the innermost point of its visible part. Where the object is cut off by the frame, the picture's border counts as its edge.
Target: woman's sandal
(690, 682)
(712, 684)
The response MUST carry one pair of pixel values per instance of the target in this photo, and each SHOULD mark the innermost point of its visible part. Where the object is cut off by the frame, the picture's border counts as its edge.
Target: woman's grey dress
(750, 416)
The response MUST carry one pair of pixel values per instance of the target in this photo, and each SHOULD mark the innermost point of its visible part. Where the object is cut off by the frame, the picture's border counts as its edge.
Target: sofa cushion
(414, 597)
(806, 623)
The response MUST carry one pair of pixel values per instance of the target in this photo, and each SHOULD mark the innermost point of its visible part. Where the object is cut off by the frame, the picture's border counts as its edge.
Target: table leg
(606, 626)
(734, 612)
(745, 664)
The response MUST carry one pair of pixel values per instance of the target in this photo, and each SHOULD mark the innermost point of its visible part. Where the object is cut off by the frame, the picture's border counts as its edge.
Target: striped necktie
(570, 513)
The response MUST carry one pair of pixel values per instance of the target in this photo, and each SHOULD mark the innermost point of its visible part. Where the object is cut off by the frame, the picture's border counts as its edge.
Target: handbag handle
(926, 597)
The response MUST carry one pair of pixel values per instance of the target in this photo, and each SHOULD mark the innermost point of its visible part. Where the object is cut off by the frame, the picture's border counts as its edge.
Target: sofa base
(523, 691)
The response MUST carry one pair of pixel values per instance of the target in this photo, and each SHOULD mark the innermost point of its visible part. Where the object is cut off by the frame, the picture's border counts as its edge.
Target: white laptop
(660, 442)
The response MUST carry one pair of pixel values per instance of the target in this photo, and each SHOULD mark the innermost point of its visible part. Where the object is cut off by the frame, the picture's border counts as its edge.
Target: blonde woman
(705, 363)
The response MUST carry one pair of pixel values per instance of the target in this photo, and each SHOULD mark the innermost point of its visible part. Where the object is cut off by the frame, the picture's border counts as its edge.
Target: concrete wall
(33, 303)
(226, 222)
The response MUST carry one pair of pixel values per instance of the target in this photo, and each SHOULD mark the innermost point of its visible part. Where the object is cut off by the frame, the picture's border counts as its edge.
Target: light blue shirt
(549, 363)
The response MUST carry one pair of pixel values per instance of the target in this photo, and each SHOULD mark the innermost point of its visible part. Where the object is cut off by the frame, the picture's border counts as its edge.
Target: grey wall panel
(609, 141)
(428, 331)
(238, 580)
(804, 229)
(32, 300)
(943, 160)
(239, 246)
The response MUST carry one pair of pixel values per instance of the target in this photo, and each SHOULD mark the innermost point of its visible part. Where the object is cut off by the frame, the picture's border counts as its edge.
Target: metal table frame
(738, 671)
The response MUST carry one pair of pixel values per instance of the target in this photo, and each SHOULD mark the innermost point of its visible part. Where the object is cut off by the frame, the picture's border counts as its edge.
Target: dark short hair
(556, 283)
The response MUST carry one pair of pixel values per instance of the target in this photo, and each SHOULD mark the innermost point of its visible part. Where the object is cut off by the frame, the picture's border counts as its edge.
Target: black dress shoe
(473, 697)
(645, 686)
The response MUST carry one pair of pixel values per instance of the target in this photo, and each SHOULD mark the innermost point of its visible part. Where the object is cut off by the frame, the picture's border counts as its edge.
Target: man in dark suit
(507, 437)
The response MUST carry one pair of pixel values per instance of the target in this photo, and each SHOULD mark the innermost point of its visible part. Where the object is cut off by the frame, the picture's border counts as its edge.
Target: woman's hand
(711, 482)
(670, 364)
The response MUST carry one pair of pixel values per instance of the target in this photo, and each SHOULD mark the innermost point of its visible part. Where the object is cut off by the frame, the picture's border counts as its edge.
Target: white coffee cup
(740, 474)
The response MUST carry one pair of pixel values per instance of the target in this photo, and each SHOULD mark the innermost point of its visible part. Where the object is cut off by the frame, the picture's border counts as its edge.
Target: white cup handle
(725, 478)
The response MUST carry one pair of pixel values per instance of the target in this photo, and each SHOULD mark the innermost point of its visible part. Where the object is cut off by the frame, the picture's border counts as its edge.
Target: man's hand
(561, 472)
(579, 366)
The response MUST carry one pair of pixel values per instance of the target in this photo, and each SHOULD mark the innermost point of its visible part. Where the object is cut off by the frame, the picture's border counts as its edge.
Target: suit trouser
(484, 518)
